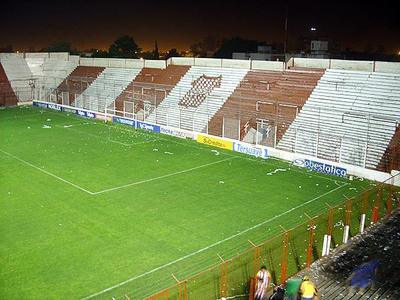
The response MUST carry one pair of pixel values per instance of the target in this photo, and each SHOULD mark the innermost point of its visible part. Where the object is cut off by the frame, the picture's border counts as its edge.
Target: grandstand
(324, 135)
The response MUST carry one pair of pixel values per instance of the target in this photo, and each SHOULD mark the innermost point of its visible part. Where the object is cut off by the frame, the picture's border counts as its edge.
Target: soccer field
(91, 209)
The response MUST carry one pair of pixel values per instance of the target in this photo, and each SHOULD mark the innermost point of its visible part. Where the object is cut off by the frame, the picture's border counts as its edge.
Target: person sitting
(308, 289)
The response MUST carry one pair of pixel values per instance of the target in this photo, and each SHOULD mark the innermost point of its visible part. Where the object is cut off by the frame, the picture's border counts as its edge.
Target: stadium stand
(19, 76)
(205, 89)
(391, 159)
(7, 95)
(106, 88)
(271, 96)
(35, 64)
(350, 117)
(76, 83)
(55, 71)
(380, 242)
(150, 87)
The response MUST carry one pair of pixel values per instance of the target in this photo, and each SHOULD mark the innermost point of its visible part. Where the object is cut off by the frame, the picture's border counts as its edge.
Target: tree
(206, 46)
(172, 53)
(237, 44)
(59, 46)
(124, 47)
(156, 54)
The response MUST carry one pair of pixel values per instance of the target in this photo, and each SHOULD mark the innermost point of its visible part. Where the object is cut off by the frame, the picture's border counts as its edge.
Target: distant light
(398, 53)
(313, 29)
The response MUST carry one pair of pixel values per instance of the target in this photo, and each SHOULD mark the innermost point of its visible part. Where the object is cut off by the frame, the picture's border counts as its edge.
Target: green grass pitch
(89, 209)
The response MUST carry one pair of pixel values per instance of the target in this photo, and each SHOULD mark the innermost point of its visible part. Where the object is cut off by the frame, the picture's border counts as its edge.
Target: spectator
(263, 278)
(308, 289)
(364, 275)
(279, 293)
(292, 288)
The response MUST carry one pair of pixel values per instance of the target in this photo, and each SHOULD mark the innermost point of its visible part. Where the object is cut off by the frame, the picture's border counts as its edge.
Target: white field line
(47, 172)
(161, 177)
(212, 245)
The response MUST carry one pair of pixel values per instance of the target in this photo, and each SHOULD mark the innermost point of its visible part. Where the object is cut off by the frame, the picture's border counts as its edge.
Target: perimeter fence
(292, 250)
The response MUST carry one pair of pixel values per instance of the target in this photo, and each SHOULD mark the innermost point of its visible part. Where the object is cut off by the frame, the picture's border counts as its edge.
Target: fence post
(347, 221)
(389, 201)
(223, 278)
(364, 209)
(328, 236)
(377, 204)
(285, 252)
(310, 243)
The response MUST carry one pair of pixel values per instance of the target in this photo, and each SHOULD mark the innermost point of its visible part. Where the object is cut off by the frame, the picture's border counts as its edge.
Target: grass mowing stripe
(161, 177)
(47, 172)
(212, 245)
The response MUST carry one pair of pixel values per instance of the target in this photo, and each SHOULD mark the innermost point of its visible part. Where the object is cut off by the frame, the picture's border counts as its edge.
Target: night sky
(178, 24)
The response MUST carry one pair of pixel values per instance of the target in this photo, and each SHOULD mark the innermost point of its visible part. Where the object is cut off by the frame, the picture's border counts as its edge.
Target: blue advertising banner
(85, 114)
(146, 126)
(124, 121)
(320, 167)
(250, 150)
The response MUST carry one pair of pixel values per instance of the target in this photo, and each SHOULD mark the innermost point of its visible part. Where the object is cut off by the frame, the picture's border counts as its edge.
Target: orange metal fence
(292, 250)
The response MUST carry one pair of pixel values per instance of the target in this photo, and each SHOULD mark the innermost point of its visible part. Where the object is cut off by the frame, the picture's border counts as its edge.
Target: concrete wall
(116, 63)
(318, 63)
(236, 63)
(355, 65)
(387, 67)
(37, 55)
(100, 62)
(181, 61)
(59, 55)
(159, 64)
(84, 61)
(267, 65)
(134, 63)
(207, 62)
(9, 55)
(74, 59)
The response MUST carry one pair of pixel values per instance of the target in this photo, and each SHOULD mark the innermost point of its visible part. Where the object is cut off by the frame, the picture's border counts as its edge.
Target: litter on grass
(276, 171)
(169, 153)
(46, 126)
(216, 152)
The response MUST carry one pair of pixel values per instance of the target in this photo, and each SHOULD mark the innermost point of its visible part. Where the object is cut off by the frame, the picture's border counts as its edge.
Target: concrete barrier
(59, 55)
(236, 63)
(116, 62)
(318, 63)
(159, 64)
(355, 65)
(267, 65)
(37, 55)
(11, 55)
(182, 61)
(387, 67)
(86, 61)
(100, 62)
(208, 62)
(74, 59)
(134, 63)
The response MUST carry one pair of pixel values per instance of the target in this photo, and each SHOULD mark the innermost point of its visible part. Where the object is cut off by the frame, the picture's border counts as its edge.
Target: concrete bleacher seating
(196, 116)
(150, 86)
(7, 95)
(54, 72)
(279, 94)
(76, 83)
(381, 242)
(350, 117)
(35, 64)
(19, 76)
(106, 88)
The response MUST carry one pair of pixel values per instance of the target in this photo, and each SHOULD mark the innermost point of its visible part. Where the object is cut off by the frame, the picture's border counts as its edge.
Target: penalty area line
(212, 245)
(161, 177)
(47, 172)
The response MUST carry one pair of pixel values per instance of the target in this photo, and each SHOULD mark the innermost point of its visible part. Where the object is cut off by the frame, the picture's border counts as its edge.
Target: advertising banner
(147, 126)
(320, 167)
(250, 149)
(214, 141)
